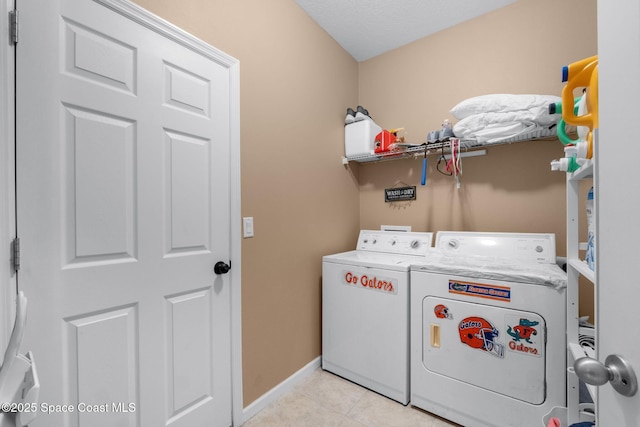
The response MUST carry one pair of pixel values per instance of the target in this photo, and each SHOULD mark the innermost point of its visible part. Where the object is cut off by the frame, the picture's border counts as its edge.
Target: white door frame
(7, 177)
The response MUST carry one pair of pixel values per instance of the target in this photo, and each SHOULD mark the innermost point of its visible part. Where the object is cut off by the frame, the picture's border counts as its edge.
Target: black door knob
(221, 267)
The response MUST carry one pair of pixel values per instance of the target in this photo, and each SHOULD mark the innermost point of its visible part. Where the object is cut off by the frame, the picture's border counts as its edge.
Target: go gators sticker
(370, 282)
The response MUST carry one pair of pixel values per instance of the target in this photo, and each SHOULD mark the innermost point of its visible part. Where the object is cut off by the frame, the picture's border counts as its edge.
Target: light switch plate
(247, 226)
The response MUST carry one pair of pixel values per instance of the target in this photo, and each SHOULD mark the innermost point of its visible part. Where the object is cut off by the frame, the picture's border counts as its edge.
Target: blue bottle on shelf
(590, 256)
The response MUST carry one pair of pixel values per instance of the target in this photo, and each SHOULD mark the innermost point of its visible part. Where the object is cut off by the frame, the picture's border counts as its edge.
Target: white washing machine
(488, 329)
(365, 310)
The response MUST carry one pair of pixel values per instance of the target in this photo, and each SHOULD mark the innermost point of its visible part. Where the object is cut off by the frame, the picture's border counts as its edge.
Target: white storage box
(359, 137)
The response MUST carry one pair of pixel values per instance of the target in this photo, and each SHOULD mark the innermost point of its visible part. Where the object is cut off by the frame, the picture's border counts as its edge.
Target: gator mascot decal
(524, 330)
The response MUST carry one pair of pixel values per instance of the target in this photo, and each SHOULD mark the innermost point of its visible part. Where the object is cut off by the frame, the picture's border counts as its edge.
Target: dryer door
(494, 348)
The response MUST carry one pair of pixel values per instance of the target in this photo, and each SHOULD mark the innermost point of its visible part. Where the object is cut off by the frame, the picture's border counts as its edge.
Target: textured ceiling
(367, 28)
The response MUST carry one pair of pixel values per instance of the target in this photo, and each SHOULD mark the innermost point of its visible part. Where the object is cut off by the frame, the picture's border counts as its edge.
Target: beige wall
(295, 85)
(520, 48)
(517, 49)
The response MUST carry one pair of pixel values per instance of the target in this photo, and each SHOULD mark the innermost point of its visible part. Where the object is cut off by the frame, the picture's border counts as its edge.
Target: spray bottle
(446, 131)
(590, 257)
(575, 149)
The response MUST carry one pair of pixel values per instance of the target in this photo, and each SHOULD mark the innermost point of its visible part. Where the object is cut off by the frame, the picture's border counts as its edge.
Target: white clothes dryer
(365, 310)
(488, 329)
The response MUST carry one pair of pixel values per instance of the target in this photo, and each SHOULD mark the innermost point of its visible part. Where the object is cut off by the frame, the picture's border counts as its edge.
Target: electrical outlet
(247, 226)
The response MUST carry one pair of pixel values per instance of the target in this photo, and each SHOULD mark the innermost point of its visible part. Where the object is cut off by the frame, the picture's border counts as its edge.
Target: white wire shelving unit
(467, 146)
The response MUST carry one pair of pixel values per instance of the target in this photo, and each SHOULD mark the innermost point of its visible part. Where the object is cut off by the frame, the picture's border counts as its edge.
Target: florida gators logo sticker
(479, 333)
(525, 337)
(442, 312)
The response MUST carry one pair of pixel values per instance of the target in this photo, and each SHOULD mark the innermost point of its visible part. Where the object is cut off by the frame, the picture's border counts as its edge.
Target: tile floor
(324, 399)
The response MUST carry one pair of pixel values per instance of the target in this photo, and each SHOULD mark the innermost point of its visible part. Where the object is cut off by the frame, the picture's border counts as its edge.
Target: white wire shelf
(417, 151)
(389, 155)
(440, 147)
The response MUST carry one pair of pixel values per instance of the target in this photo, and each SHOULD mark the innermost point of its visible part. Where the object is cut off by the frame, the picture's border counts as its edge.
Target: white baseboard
(285, 386)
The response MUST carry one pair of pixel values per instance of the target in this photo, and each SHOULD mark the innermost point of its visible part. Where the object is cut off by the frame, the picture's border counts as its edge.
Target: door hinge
(16, 254)
(13, 26)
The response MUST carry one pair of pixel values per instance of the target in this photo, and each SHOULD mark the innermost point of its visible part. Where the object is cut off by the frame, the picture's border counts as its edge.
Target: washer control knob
(453, 244)
(539, 249)
(415, 244)
(393, 243)
(375, 241)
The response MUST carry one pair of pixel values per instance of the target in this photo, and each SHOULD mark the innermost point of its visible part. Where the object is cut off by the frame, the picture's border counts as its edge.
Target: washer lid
(373, 260)
(493, 268)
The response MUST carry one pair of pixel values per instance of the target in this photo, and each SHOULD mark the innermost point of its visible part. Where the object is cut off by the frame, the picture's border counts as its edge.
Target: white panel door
(123, 209)
(618, 201)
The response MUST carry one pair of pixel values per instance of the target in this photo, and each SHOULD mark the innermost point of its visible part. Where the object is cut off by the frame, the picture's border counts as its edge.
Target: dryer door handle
(434, 330)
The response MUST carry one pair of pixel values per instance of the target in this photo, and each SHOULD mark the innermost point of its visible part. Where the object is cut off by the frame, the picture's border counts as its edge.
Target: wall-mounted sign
(399, 194)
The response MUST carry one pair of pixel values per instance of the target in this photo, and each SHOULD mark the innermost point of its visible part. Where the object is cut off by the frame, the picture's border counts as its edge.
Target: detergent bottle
(583, 73)
(579, 109)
